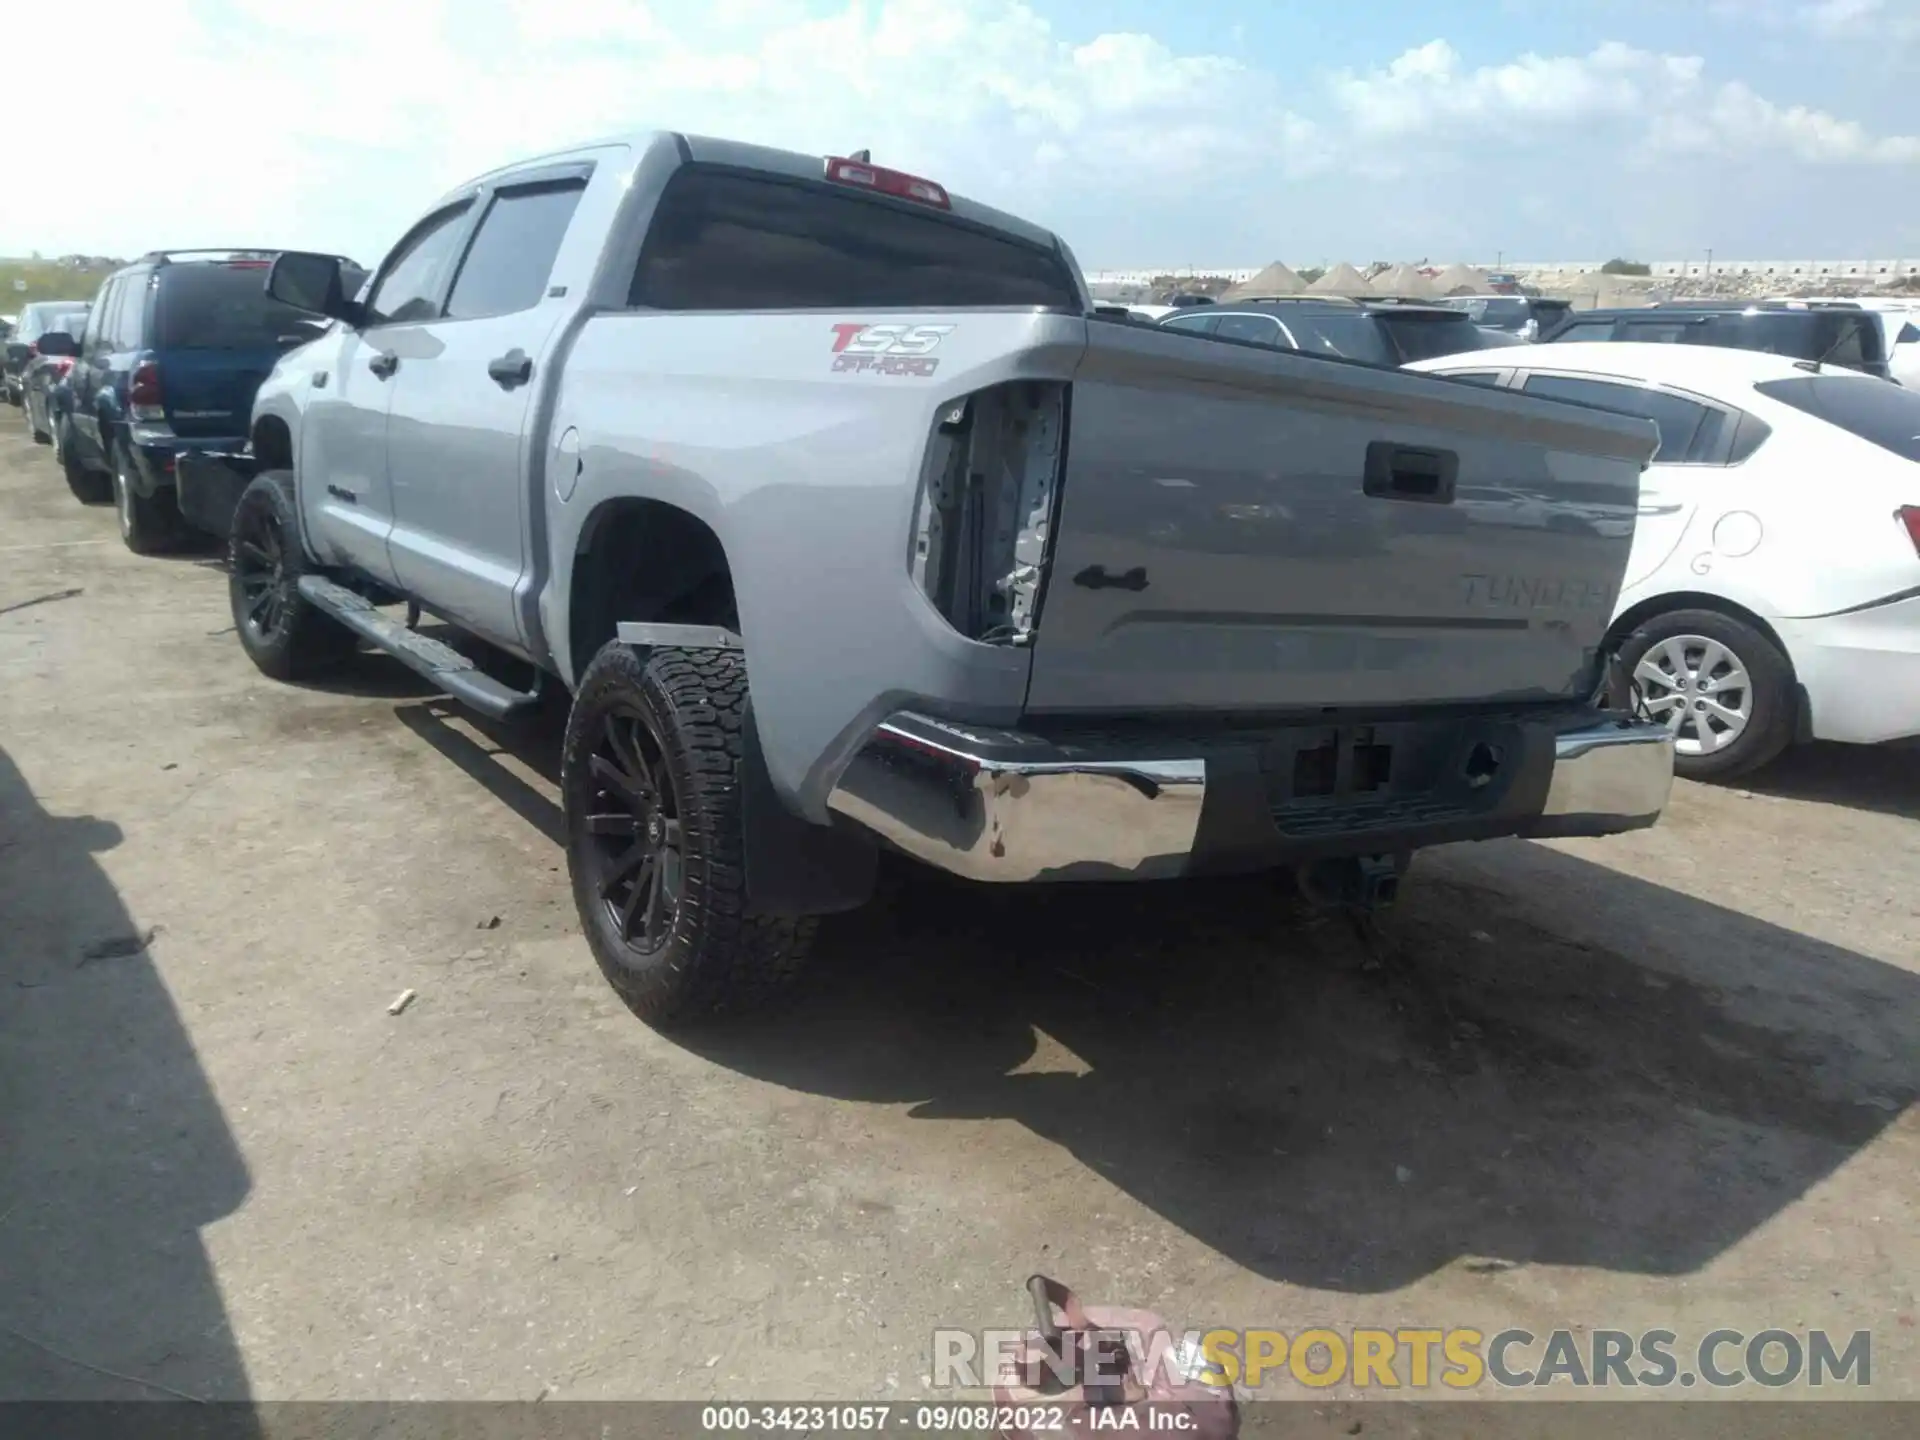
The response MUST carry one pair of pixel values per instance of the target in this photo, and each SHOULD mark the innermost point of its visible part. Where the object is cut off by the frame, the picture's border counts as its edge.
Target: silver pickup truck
(846, 523)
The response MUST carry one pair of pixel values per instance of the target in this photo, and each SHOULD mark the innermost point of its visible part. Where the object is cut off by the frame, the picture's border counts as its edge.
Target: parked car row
(1773, 591)
(846, 524)
(29, 375)
(1373, 332)
(165, 361)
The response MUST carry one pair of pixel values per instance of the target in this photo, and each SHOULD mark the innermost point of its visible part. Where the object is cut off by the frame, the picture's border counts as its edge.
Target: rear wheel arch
(1642, 611)
(272, 443)
(641, 559)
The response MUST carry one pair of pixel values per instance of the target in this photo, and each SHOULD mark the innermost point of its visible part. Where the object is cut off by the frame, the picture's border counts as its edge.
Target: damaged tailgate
(1251, 529)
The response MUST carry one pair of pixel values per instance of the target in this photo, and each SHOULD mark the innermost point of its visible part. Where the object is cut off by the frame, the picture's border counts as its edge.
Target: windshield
(225, 307)
(1878, 412)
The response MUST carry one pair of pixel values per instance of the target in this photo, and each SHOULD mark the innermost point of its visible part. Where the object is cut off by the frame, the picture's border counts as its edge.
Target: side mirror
(313, 283)
(59, 342)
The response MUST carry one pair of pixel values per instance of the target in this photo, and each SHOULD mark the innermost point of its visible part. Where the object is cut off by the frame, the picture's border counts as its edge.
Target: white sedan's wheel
(1719, 684)
(1700, 689)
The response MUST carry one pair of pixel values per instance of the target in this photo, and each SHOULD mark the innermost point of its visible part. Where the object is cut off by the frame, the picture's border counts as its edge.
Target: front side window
(1677, 418)
(511, 258)
(1259, 329)
(1877, 411)
(1191, 324)
(416, 273)
(727, 241)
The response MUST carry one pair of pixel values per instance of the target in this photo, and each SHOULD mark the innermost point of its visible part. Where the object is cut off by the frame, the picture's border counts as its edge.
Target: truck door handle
(384, 364)
(1408, 472)
(511, 369)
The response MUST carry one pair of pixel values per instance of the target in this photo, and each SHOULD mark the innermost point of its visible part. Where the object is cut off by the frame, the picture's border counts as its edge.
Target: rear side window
(725, 241)
(129, 313)
(1678, 419)
(225, 307)
(511, 258)
(1346, 337)
(1878, 411)
(1428, 337)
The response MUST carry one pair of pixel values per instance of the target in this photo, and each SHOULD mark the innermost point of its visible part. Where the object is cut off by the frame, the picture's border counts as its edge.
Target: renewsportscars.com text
(1456, 1359)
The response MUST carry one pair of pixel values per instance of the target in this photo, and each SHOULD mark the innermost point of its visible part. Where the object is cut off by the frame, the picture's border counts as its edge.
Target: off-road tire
(89, 487)
(1770, 724)
(263, 553)
(150, 524)
(716, 957)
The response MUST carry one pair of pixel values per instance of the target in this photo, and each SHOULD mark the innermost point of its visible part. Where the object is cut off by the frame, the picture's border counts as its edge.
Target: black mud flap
(795, 867)
(208, 484)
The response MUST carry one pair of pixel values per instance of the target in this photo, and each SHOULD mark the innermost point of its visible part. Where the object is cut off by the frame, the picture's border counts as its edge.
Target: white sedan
(1773, 589)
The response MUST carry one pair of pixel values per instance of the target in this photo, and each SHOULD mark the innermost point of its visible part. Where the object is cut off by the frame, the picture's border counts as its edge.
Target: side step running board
(441, 664)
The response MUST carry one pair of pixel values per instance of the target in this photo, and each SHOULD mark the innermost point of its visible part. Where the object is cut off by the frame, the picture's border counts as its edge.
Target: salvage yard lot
(1662, 1080)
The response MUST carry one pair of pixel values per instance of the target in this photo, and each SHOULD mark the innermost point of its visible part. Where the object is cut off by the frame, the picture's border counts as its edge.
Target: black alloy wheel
(259, 564)
(636, 863)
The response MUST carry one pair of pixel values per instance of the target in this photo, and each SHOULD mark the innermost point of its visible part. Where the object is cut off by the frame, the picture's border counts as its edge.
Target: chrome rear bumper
(1607, 778)
(972, 803)
(1010, 806)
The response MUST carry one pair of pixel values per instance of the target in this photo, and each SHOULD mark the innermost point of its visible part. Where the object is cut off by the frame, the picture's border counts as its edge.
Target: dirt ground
(1661, 1080)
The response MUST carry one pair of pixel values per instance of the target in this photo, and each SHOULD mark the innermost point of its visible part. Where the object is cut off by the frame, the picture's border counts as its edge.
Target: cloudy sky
(1148, 132)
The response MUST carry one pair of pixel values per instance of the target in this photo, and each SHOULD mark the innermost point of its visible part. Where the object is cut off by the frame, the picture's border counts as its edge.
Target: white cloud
(335, 124)
(1653, 100)
(1878, 20)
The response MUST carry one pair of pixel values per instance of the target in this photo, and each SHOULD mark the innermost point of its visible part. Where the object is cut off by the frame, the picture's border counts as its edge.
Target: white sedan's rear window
(1878, 411)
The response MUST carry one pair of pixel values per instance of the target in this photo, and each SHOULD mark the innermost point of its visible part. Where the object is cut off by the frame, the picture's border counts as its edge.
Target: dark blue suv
(175, 347)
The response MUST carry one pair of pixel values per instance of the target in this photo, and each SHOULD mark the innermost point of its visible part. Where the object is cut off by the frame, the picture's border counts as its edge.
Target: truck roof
(711, 150)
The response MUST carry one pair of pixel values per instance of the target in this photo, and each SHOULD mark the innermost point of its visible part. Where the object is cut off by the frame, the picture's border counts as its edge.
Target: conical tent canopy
(1402, 280)
(1342, 279)
(1462, 278)
(1276, 279)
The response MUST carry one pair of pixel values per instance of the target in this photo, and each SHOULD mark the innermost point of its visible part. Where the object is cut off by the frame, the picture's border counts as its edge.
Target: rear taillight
(1909, 516)
(143, 393)
(61, 367)
(887, 182)
(989, 490)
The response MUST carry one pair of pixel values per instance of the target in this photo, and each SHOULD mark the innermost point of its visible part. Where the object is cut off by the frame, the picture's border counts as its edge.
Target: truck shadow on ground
(1885, 778)
(1247, 1074)
(115, 1154)
(1636, 1081)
